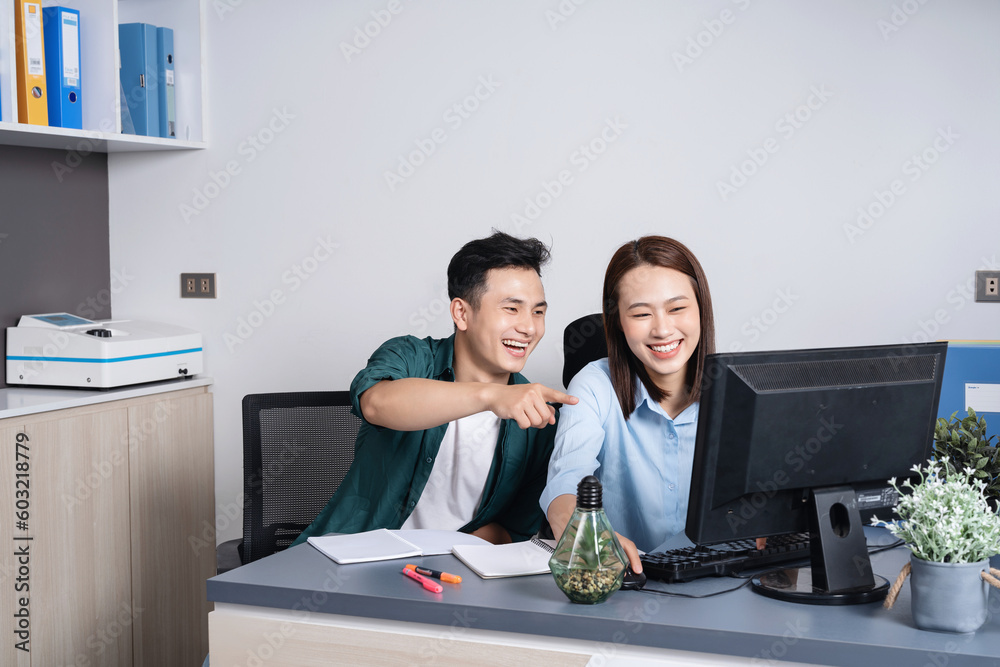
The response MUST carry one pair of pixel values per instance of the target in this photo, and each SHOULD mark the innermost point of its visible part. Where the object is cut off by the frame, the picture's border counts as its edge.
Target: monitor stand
(841, 571)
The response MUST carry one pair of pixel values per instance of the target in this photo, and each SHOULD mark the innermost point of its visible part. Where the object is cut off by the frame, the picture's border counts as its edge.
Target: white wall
(777, 243)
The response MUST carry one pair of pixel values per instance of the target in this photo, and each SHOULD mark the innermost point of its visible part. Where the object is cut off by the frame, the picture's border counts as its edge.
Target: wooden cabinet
(172, 497)
(99, 78)
(96, 549)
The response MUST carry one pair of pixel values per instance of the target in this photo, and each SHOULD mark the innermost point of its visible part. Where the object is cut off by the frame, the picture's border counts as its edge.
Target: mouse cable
(694, 597)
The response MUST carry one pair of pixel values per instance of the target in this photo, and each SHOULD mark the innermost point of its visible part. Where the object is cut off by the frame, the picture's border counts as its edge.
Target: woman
(634, 426)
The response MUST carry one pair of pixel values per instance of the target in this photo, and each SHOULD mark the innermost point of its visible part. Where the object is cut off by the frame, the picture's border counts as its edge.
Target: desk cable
(695, 597)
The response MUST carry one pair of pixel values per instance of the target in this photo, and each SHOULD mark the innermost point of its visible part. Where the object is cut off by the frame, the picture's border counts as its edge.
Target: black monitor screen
(774, 427)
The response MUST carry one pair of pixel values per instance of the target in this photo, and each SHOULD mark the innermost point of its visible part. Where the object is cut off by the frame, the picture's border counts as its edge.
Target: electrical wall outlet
(988, 286)
(197, 285)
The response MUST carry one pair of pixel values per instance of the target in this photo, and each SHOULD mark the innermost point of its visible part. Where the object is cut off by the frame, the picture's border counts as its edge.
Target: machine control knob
(100, 333)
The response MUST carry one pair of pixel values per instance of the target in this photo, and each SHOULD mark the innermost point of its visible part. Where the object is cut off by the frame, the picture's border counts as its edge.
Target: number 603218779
(21, 484)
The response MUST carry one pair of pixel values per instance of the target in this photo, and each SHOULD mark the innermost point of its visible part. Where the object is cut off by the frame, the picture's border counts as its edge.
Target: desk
(299, 608)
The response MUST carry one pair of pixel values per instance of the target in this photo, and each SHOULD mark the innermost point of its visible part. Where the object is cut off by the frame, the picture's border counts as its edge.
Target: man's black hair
(468, 268)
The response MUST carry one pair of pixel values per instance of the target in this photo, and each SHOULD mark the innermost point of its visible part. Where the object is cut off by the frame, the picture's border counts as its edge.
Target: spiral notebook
(517, 559)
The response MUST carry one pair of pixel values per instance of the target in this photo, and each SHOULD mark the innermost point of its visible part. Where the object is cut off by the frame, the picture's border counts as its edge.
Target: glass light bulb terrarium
(588, 563)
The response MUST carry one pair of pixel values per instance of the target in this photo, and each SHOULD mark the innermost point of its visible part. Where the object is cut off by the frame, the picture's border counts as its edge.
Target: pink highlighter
(427, 583)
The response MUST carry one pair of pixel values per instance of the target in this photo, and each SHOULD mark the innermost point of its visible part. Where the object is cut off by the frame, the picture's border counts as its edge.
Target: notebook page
(504, 560)
(373, 545)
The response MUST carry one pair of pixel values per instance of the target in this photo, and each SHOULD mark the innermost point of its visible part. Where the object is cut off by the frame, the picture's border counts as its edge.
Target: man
(454, 437)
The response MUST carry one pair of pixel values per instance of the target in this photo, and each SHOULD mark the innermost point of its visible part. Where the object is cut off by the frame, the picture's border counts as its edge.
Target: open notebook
(507, 560)
(386, 544)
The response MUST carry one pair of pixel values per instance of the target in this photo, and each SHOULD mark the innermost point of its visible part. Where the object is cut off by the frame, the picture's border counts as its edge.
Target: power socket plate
(988, 286)
(197, 285)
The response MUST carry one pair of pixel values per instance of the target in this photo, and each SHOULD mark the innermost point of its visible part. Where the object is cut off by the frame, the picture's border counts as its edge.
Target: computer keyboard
(726, 558)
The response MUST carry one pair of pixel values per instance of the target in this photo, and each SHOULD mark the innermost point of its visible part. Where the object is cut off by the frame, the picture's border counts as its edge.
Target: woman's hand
(631, 551)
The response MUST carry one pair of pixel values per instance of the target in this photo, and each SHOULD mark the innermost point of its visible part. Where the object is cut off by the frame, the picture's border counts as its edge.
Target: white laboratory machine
(63, 350)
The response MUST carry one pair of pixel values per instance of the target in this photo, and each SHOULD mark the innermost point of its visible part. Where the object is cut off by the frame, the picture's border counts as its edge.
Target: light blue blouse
(644, 464)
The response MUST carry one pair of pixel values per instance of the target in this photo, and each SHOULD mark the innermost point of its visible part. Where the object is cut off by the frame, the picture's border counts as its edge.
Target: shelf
(87, 141)
(101, 131)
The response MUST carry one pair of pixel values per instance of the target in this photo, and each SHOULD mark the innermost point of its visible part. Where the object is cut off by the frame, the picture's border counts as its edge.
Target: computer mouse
(632, 580)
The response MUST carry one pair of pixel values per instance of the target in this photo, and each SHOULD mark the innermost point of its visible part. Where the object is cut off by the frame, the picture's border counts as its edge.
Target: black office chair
(583, 342)
(297, 448)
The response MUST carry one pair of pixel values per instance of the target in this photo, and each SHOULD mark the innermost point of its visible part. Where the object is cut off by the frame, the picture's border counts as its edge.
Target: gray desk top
(740, 623)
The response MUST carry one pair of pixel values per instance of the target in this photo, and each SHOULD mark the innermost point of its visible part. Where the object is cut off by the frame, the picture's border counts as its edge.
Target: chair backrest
(583, 342)
(297, 448)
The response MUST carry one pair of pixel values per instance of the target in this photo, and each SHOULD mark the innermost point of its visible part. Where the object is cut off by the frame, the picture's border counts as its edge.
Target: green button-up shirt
(391, 468)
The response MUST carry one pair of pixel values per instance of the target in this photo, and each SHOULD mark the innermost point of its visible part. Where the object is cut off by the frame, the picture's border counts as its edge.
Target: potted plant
(951, 531)
(963, 443)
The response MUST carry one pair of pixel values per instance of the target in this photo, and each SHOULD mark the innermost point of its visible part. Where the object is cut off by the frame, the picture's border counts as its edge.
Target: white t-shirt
(455, 485)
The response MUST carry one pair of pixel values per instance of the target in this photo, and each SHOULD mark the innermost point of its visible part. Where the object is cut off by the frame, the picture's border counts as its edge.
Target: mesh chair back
(297, 448)
(583, 342)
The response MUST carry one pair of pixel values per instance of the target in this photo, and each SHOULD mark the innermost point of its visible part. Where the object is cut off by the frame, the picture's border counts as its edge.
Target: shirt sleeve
(579, 436)
(521, 517)
(397, 358)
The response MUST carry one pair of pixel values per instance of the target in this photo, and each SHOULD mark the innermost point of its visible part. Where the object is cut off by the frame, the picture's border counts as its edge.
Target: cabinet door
(78, 555)
(171, 458)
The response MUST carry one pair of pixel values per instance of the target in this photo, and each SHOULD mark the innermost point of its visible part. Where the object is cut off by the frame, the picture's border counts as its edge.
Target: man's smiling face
(506, 325)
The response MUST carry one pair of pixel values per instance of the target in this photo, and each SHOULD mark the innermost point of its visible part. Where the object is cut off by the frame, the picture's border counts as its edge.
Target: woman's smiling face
(660, 319)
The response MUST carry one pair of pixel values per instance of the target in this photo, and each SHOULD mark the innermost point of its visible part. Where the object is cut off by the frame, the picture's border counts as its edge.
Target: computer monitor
(788, 441)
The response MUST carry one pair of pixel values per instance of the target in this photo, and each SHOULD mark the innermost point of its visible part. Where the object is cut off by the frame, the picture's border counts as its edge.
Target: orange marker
(427, 572)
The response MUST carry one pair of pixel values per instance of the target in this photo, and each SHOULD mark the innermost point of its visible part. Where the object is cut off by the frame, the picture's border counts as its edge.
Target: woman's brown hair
(624, 366)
